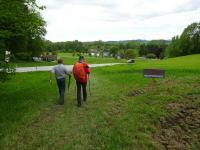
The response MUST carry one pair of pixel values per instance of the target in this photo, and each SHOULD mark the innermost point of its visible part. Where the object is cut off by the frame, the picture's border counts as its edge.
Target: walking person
(81, 73)
(60, 72)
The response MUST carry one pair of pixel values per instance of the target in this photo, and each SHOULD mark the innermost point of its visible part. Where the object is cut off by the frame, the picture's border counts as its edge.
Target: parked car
(131, 61)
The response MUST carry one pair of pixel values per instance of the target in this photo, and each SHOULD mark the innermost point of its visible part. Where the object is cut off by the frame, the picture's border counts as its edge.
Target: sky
(113, 20)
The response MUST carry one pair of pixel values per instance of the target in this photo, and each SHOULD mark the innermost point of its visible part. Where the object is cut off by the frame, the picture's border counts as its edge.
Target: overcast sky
(90, 20)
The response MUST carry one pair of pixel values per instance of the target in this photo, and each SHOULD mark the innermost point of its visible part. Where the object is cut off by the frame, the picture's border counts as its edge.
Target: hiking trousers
(82, 86)
(61, 86)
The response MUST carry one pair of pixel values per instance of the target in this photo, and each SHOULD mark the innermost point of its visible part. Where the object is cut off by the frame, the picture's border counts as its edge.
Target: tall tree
(20, 24)
(21, 30)
(188, 43)
(114, 51)
(190, 39)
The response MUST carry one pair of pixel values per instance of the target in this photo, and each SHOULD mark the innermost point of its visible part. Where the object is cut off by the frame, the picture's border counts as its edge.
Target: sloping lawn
(124, 110)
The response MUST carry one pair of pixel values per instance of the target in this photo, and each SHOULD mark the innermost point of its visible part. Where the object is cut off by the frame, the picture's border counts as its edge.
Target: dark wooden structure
(49, 58)
(154, 73)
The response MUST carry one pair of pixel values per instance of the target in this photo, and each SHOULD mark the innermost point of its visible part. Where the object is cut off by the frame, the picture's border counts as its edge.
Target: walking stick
(69, 82)
(89, 84)
(75, 89)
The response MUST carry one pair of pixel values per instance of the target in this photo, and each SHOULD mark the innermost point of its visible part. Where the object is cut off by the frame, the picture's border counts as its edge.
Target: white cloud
(87, 20)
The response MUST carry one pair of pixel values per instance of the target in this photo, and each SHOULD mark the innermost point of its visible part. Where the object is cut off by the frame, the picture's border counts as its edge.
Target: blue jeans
(61, 86)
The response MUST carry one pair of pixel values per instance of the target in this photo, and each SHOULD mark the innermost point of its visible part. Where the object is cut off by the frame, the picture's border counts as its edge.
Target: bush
(55, 53)
(151, 56)
(6, 71)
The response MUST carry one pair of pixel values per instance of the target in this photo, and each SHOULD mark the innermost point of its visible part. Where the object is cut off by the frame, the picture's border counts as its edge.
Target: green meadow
(69, 59)
(124, 110)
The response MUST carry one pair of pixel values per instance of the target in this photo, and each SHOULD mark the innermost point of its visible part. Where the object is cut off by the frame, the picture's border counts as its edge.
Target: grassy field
(69, 60)
(124, 111)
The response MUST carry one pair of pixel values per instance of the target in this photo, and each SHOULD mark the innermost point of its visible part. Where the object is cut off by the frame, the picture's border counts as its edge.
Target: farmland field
(124, 111)
(69, 60)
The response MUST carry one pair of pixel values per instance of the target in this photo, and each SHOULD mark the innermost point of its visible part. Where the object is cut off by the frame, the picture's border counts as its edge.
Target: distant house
(94, 52)
(106, 53)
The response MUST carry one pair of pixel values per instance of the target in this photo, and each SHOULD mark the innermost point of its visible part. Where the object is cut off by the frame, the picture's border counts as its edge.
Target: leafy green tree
(130, 54)
(114, 51)
(188, 43)
(21, 31)
(20, 23)
(121, 53)
(173, 49)
(156, 47)
(190, 39)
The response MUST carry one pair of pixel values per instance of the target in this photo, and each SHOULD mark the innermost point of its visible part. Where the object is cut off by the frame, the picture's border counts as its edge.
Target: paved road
(48, 68)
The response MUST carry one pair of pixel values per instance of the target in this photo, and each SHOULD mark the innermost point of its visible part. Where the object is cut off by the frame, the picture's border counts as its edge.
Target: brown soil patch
(181, 129)
(135, 92)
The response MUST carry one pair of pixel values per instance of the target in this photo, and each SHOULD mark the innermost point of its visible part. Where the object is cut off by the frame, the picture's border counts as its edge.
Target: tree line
(185, 44)
(140, 48)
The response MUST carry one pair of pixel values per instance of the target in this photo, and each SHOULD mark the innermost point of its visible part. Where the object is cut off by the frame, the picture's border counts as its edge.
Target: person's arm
(87, 69)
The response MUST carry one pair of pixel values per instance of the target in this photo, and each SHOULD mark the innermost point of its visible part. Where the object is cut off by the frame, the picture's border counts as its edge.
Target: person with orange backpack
(81, 73)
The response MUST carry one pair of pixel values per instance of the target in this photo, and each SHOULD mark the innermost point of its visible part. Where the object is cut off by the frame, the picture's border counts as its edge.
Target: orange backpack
(79, 72)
